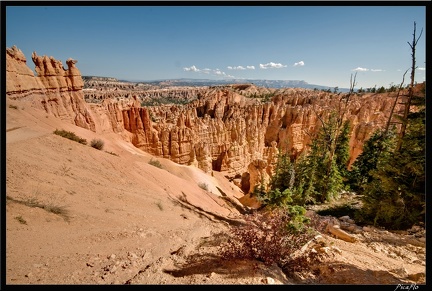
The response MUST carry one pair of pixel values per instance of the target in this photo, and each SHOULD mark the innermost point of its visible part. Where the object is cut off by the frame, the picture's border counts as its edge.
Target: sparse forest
(389, 175)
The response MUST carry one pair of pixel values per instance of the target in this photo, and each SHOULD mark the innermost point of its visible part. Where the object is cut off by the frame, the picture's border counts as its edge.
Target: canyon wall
(238, 129)
(97, 89)
(226, 131)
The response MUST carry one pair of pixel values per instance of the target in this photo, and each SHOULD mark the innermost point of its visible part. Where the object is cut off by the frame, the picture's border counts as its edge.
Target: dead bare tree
(410, 89)
(341, 111)
(394, 105)
(347, 99)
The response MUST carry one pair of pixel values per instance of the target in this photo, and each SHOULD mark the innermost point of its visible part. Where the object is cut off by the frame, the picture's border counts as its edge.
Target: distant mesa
(96, 78)
(258, 82)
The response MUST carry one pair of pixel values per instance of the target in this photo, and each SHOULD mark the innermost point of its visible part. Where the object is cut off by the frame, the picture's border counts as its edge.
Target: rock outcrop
(238, 129)
(97, 89)
(55, 89)
(226, 131)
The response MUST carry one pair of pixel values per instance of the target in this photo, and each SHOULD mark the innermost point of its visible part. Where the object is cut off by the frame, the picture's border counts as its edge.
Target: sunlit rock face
(238, 129)
(225, 130)
(55, 89)
(98, 89)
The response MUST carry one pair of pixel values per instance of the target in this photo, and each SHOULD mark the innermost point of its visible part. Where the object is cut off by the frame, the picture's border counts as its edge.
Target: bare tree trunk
(410, 90)
(339, 124)
(394, 105)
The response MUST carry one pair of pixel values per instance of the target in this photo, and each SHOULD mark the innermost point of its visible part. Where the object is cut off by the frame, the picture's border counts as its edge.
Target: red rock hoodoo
(221, 128)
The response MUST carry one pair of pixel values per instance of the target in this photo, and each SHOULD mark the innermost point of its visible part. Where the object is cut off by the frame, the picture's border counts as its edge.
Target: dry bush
(21, 220)
(97, 144)
(70, 135)
(267, 237)
(65, 170)
(32, 201)
(155, 163)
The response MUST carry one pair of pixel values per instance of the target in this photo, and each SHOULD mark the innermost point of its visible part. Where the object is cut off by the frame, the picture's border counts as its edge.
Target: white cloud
(361, 69)
(421, 69)
(219, 72)
(215, 72)
(236, 68)
(193, 69)
(272, 65)
(241, 68)
(301, 63)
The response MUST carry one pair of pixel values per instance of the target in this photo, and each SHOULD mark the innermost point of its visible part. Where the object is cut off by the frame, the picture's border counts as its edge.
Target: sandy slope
(124, 221)
(122, 212)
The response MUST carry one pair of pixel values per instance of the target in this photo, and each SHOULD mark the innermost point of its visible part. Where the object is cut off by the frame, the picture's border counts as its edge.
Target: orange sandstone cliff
(222, 129)
(55, 89)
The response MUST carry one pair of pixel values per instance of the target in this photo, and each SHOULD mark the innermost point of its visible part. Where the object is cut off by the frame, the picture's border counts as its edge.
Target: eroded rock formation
(55, 89)
(97, 89)
(226, 131)
(238, 129)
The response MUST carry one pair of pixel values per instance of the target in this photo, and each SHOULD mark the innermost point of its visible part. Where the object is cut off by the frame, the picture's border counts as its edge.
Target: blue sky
(322, 45)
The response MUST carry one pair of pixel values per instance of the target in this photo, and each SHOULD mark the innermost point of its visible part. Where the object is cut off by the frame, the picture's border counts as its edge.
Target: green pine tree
(342, 150)
(395, 195)
(360, 174)
(319, 171)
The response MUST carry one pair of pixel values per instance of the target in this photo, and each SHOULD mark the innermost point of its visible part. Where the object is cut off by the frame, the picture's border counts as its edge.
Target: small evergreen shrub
(70, 135)
(155, 163)
(97, 144)
(21, 220)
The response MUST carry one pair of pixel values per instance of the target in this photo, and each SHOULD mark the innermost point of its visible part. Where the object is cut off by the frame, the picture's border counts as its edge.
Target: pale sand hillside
(125, 221)
(122, 212)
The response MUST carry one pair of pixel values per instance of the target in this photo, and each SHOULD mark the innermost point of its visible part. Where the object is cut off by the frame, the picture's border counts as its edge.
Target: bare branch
(419, 36)
(410, 90)
(394, 104)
